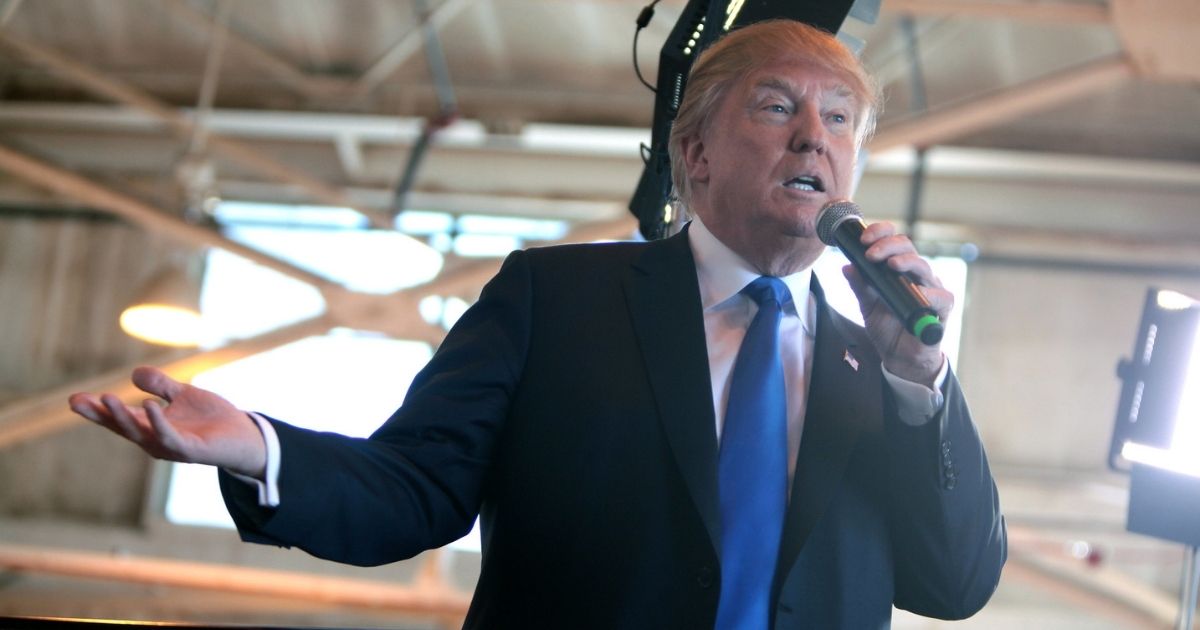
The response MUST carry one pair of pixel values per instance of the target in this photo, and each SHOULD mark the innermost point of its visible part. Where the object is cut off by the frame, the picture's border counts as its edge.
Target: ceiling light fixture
(167, 312)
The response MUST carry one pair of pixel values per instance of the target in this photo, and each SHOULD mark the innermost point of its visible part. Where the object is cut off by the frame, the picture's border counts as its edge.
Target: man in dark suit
(582, 407)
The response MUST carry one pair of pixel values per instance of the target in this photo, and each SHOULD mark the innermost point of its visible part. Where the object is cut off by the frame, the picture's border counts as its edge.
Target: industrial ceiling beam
(426, 597)
(253, 53)
(405, 47)
(149, 218)
(395, 314)
(991, 109)
(1042, 12)
(121, 92)
(46, 413)
(1160, 37)
(8, 10)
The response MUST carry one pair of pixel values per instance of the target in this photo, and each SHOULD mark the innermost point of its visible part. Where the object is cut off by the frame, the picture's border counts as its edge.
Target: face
(779, 147)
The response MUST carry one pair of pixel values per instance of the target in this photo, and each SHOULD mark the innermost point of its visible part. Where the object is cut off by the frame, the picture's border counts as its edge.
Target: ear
(695, 159)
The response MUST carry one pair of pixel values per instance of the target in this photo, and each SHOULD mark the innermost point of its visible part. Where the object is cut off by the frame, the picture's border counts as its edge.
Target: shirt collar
(722, 274)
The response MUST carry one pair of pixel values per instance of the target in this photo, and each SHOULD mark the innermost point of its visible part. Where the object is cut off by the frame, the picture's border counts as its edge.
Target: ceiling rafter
(45, 414)
(429, 595)
(990, 109)
(121, 92)
(152, 219)
(1043, 12)
(254, 53)
(395, 314)
(406, 46)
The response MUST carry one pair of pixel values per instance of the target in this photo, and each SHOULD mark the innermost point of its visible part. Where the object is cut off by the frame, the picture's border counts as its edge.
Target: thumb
(155, 381)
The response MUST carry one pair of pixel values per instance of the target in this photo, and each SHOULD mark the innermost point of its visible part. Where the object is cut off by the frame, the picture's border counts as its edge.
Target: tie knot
(766, 289)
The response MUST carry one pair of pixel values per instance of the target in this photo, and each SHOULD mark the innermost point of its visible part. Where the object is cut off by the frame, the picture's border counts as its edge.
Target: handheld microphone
(840, 224)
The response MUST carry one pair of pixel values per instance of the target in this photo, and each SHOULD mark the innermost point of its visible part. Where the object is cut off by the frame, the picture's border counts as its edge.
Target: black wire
(642, 20)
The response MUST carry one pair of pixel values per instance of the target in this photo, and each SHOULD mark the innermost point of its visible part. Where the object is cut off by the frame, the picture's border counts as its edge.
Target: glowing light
(1186, 439)
(1184, 454)
(163, 324)
(1170, 459)
(1174, 301)
(735, 7)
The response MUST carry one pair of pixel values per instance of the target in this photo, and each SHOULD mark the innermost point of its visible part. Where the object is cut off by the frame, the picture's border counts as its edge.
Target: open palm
(194, 426)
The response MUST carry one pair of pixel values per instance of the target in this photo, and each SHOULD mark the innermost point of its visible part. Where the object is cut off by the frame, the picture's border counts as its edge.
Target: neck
(779, 264)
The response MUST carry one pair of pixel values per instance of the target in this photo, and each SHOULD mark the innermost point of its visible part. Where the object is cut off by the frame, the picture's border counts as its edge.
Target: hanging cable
(643, 19)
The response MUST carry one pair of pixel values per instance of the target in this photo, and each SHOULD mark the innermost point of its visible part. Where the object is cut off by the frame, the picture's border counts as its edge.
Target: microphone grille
(832, 215)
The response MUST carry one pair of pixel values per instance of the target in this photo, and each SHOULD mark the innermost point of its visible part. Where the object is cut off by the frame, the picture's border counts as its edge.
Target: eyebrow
(775, 83)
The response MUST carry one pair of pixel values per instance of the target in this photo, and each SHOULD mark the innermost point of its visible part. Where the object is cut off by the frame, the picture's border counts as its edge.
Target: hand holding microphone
(840, 224)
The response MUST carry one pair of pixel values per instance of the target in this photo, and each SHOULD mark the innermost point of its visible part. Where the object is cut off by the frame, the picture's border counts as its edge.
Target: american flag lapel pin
(850, 360)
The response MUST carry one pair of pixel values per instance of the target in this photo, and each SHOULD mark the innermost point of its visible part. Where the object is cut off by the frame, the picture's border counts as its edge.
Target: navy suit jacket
(571, 409)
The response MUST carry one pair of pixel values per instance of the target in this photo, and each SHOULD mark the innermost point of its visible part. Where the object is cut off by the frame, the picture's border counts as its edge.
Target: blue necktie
(752, 467)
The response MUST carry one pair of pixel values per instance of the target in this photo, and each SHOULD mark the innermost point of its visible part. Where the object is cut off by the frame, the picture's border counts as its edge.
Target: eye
(776, 108)
(838, 118)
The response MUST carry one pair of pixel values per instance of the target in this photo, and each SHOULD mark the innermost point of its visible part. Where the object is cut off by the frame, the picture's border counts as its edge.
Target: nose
(808, 131)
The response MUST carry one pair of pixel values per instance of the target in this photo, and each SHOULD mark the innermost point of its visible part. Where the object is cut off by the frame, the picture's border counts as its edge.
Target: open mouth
(806, 182)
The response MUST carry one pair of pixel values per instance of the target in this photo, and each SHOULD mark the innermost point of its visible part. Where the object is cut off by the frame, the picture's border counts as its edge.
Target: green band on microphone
(921, 324)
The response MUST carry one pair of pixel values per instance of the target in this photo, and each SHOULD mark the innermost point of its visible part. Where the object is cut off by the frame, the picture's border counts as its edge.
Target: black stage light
(1156, 437)
(1158, 418)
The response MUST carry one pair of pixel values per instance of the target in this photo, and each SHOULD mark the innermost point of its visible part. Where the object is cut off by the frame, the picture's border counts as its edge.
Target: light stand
(1160, 403)
(1166, 504)
(1187, 598)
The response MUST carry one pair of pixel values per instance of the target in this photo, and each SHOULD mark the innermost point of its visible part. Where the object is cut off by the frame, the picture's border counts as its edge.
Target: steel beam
(405, 47)
(46, 413)
(427, 596)
(183, 125)
(279, 68)
(1041, 12)
(989, 110)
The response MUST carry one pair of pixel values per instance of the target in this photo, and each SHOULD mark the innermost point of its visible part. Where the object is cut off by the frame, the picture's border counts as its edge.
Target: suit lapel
(838, 403)
(664, 302)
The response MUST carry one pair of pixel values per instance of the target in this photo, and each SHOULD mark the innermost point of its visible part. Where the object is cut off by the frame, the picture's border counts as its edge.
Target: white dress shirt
(722, 275)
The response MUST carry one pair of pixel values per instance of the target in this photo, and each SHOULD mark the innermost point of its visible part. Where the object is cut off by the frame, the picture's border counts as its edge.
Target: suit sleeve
(418, 481)
(948, 533)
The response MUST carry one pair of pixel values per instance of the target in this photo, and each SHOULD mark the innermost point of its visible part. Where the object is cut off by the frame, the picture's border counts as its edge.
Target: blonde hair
(740, 52)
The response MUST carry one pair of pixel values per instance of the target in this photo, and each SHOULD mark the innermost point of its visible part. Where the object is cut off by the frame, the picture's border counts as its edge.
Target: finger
(123, 420)
(941, 300)
(168, 438)
(877, 231)
(889, 246)
(155, 381)
(87, 406)
(916, 268)
(854, 278)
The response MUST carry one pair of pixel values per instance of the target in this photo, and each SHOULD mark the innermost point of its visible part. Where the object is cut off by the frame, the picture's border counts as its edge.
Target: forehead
(798, 76)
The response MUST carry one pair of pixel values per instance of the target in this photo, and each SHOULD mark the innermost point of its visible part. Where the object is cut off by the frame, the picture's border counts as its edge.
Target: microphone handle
(898, 291)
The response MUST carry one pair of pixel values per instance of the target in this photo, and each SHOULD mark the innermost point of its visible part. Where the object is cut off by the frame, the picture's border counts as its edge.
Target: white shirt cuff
(268, 489)
(917, 403)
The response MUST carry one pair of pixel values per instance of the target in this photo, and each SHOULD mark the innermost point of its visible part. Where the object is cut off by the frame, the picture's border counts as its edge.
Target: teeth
(803, 183)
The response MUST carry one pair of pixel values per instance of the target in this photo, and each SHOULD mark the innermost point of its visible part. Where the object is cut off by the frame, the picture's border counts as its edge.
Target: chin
(803, 226)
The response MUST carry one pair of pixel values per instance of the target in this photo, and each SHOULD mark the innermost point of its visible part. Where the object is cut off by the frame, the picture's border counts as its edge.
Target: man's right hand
(194, 426)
